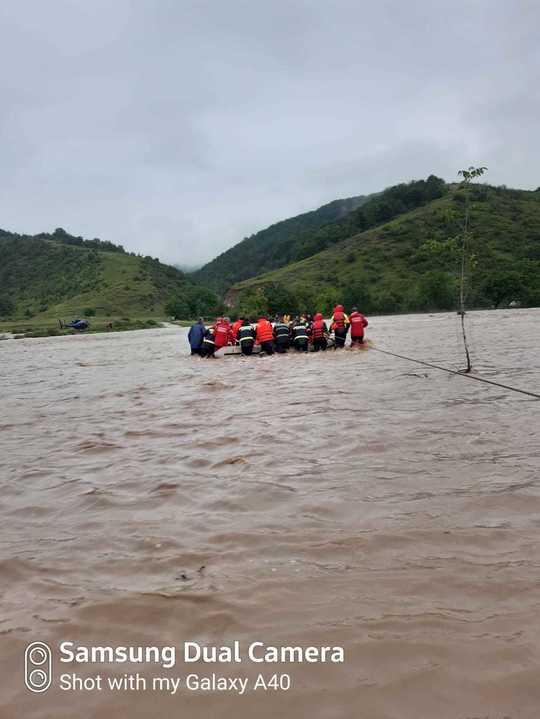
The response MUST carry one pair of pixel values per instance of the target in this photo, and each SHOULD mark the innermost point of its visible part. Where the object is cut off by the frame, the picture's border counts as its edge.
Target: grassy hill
(396, 251)
(273, 247)
(411, 262)
(49, 276)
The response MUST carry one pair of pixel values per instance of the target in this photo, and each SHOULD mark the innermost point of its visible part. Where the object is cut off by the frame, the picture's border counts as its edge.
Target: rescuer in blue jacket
(196, 336)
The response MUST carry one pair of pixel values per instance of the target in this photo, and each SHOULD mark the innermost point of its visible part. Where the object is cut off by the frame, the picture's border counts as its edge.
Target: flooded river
(337, 499)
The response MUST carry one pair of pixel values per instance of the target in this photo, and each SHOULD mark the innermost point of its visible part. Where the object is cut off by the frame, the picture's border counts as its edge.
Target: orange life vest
(236, 326)
(265, 332)
(317, 328)
(339, 319)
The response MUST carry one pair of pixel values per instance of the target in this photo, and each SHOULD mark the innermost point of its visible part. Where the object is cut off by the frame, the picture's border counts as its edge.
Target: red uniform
(265, 336)
(339, 318)
(318, 328)
(340, 325)
(223, 333)
(236, 326)
(358, 322)
(265, 331)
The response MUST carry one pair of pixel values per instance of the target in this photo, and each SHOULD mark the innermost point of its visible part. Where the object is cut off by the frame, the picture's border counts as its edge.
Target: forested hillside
(397, 251)
(305, 235)
(274, 247)
(59, 275)
(411, 262)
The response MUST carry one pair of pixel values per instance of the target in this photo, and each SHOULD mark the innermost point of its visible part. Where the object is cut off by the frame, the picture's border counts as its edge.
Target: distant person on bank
(196, 336)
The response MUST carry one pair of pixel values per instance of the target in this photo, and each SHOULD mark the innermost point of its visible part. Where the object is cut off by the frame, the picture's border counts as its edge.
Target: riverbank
(50, 327)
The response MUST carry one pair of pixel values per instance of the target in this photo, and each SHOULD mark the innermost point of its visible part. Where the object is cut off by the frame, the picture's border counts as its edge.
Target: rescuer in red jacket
(236, 326)
(340, 325)
(222, 332)
(319, 333)
(358, 323)
(265, 335)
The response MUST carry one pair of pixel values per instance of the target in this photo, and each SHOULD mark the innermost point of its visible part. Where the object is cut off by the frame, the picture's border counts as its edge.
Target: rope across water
(457, 372)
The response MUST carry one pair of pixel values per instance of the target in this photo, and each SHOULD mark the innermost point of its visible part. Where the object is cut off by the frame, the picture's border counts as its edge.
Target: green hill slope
(273, 247)
(411, 263)
(57, 275)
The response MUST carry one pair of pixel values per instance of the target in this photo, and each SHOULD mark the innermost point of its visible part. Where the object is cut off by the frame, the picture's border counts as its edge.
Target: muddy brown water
(346, 498)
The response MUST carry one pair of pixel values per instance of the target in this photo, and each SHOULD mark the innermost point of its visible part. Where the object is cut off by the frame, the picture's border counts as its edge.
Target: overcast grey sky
(176, 128)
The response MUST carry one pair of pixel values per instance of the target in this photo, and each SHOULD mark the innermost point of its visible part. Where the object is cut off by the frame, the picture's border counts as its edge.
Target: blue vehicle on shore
(77, 324)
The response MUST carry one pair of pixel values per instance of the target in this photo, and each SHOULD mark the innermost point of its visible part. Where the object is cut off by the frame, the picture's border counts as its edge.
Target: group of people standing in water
(283, 333)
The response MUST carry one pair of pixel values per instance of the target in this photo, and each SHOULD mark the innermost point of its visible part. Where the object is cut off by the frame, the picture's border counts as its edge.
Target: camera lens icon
(38, 678)
(37, 654)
